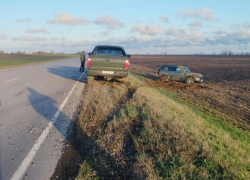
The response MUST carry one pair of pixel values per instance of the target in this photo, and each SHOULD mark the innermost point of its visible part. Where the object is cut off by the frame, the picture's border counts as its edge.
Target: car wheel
(190, 80)
(164, 78)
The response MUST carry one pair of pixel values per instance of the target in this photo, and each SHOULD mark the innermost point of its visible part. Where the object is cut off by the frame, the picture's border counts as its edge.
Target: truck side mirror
(128, 56)
(89, 53)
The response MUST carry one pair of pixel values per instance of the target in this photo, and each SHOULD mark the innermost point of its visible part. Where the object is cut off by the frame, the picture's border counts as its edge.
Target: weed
(86, 172)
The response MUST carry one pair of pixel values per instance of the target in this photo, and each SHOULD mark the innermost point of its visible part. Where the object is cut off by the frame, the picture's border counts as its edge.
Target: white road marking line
(30, 156)
(12, 79)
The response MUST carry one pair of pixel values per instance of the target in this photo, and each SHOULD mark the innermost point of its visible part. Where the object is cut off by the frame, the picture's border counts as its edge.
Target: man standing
(82, 58)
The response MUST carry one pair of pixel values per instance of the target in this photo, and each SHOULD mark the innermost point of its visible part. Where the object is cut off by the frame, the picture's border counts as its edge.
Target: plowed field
(225, 92)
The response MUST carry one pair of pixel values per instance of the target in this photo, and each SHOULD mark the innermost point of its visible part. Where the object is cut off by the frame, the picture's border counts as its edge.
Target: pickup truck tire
(90, 79)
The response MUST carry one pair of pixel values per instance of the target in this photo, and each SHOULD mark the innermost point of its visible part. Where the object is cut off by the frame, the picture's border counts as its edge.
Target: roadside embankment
(141, 131)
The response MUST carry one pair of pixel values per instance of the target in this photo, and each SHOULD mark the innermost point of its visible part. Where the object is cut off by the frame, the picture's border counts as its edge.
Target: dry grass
(144, 133)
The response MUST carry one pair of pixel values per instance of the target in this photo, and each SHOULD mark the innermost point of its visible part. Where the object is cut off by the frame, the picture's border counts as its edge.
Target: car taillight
(127, 64)
(89, 62)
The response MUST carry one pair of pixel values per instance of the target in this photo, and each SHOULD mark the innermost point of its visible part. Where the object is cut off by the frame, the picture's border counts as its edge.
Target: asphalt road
(37, 104)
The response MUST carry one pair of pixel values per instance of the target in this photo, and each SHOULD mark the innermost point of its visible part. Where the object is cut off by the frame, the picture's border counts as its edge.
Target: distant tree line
(224, 53)
(230, 53)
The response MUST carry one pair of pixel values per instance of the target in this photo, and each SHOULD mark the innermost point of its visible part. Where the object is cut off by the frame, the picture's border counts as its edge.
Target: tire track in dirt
(225, 93)
(200, 97)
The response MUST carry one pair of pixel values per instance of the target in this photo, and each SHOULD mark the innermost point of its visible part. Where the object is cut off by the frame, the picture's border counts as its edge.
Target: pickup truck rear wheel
(164, 78)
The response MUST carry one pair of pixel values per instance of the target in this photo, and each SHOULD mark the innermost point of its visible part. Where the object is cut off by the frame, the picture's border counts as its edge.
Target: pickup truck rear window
(109, 51)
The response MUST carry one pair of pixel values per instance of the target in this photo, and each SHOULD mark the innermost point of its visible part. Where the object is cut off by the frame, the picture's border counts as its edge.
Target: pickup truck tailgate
(108, 62)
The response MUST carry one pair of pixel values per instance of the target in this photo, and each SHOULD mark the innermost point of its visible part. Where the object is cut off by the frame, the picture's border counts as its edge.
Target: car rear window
(165, 68)
(109, 51)
(172, 68)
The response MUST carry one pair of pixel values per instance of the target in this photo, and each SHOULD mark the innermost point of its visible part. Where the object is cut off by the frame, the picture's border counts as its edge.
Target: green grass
(184, 143)
(86, 172)
(14, 60)
(167, 138)
(234, 131)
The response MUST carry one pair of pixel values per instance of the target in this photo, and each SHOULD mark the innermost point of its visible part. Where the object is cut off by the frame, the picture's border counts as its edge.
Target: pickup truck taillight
(127, 64)
(89, 62)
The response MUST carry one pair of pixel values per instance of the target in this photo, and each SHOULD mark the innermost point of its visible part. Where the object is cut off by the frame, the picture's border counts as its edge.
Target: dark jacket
(82, 57)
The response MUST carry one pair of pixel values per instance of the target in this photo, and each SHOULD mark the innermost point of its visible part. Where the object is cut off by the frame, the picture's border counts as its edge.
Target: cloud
(189, 39)
(182, 40)
(183, 37)
(23, 20)
(3, 37)
(242, 34)
(221, 33)
(148, 30)
(203, 14)
(144, 38)
(105, 33)
(241, 37)
(36, 31)
(164, 19)
(28, 38)
(109, 22)
(196, 24)
(68, 19)
(244, 25)
(143, 42)
(54, 39)
(184, 33)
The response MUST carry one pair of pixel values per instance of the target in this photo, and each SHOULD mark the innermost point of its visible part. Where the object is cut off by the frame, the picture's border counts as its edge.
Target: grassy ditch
(138, 131)
(17, 60)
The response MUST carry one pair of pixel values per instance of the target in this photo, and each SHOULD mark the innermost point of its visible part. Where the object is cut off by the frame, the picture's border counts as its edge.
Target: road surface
(37, 104)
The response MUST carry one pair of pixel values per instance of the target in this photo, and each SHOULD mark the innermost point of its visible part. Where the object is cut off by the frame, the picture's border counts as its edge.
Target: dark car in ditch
(178, 73)
(109, 62)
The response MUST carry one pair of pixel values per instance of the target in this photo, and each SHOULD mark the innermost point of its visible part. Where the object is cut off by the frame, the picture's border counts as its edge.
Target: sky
(140, 26)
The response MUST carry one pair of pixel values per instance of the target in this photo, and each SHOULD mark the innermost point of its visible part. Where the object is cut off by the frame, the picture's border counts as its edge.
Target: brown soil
(225, 92)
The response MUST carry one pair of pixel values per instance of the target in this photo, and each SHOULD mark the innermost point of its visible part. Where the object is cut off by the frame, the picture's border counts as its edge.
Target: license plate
(107, 72)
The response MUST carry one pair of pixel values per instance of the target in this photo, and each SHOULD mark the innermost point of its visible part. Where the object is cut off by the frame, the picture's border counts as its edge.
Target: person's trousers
(82, 66)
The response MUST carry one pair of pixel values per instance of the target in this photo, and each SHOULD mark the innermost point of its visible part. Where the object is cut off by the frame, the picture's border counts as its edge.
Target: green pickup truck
(108, 62)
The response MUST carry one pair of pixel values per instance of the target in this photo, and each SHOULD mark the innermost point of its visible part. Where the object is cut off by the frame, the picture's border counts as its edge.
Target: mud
(225, 92)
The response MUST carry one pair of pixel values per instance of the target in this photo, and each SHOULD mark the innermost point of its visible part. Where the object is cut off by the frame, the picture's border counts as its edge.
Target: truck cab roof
(103, 46)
